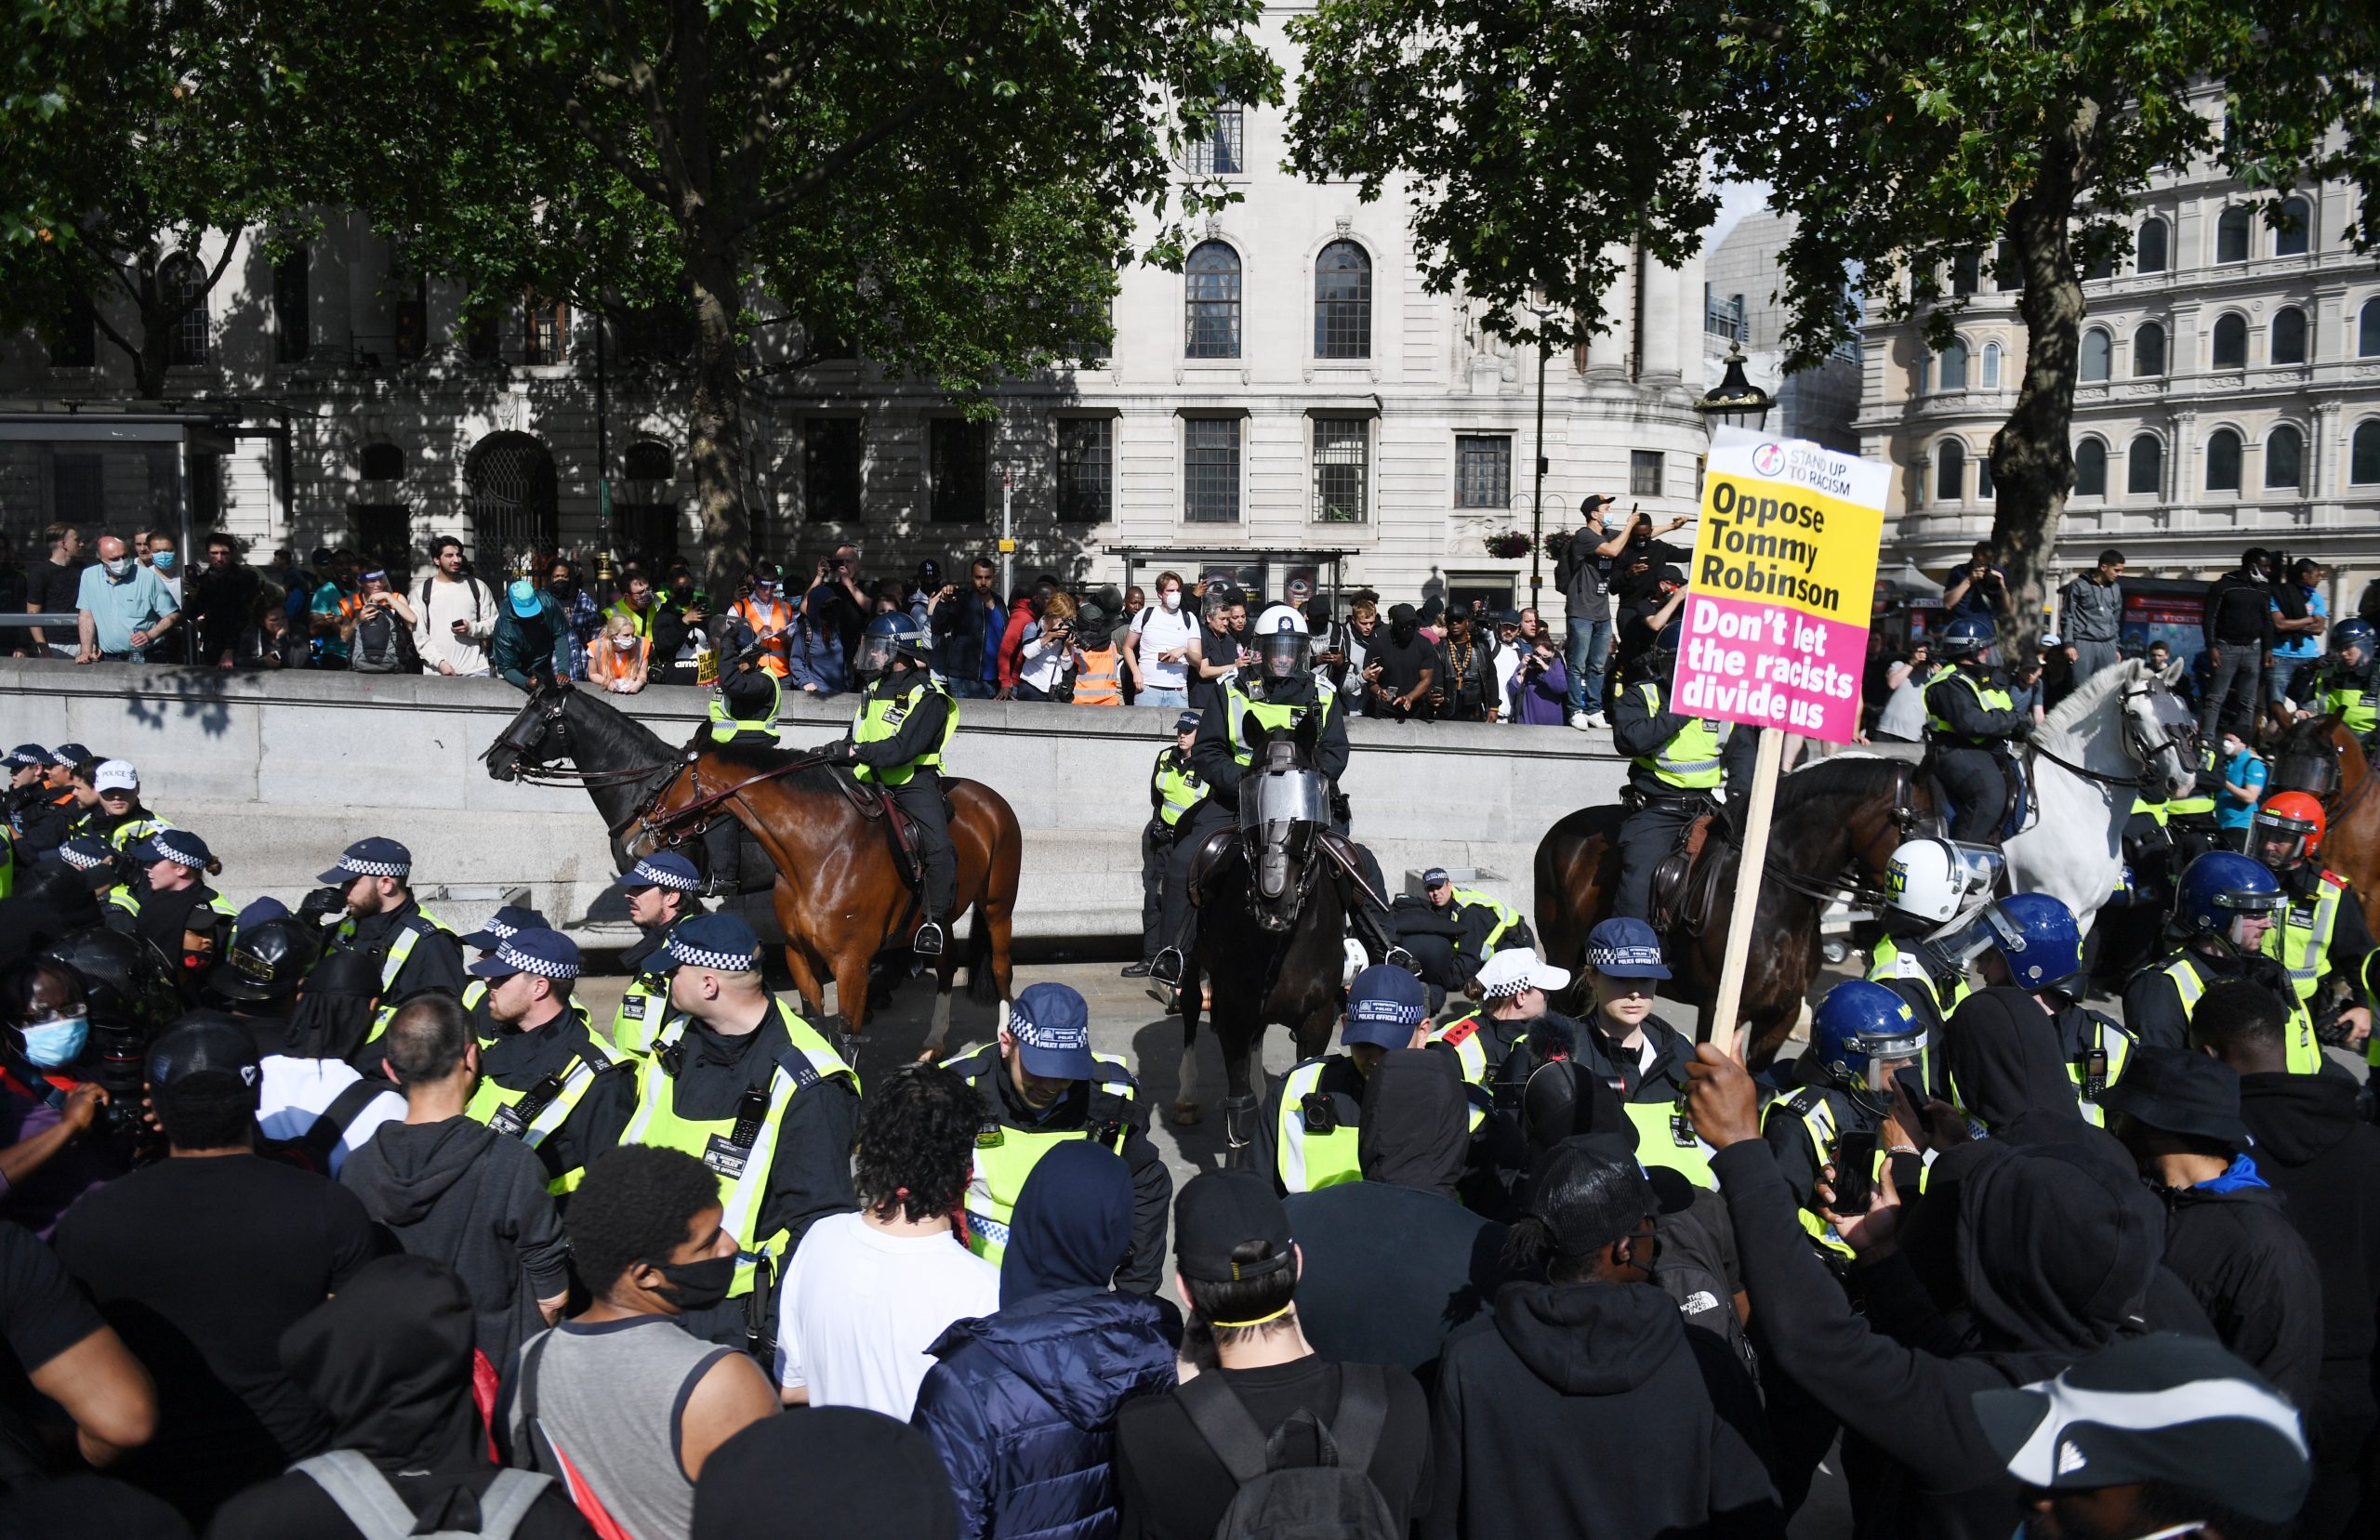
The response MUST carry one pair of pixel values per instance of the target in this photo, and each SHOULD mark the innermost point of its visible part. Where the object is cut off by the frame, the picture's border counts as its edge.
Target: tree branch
(842, 156)
(640, 175)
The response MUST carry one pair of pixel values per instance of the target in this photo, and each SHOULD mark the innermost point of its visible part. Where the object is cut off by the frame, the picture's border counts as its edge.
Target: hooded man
(850, 1474)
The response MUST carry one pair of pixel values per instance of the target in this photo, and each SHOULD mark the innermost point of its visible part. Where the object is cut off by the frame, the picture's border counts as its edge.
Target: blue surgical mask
(55, 1044)
(162, 562)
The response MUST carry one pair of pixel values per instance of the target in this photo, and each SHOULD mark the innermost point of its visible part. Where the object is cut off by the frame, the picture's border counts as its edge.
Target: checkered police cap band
(173, 846)
(652, 875)
(361, 867)
(717, 962)
(543, 967)
(1608, 958)
(83, 861)
(494, 927)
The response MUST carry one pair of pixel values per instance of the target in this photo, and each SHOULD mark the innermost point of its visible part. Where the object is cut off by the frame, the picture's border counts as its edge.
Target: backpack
(377, 1513)
(311, 1149)
(1334, 1500)
(380, 642)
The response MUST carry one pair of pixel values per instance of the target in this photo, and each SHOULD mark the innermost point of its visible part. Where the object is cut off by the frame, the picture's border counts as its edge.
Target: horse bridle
(2181, 735)
(553, 718)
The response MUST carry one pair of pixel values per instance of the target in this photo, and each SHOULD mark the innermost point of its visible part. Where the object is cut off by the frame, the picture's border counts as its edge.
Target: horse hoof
(1186, 1115)
(931, 1054)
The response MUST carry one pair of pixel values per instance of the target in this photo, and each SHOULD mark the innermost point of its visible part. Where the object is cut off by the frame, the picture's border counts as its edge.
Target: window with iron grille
(1222, 150)
(1645, 473)
(957, 455)
(1213, 302)
(292, 312)
(830, 467)
(548, 333)
(1086, 471)
(1342, 302)
(1483, 470)
(1211, 470)
(1341, 468)
(185, 284)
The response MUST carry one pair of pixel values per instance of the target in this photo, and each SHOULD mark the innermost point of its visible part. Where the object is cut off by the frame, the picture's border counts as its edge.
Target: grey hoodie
(456, 1192)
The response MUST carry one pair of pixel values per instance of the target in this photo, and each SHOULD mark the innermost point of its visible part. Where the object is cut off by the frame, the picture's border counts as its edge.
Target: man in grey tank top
(633, 1404)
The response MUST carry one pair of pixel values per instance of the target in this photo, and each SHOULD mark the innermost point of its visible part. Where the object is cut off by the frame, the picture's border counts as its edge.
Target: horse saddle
(2017, 792)
(874, 804)
(1685, 883)
(1208, 859)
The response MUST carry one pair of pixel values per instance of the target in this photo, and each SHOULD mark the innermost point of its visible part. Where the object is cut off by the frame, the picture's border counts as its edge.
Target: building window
(411, 317)
(292, 309)
(2148, 351)
(1086, 471)
(1483, 470)
(1222, 152)
(1213, 302)
(1950, 367)
(2090, 468)
(2223, 461)
(2149, 250)
(483, 339)
(74, 339)
(2007, 274)
(2231, 341)
(185, 284)
(2104, 267)
(2285, 459)
(1966, 273)
(1211, 470)
(2289, 335)
(2296, 235)
(2098, 355)
(2143, 471)
(830, 469)
(1950, 472)
(1991, 366)
(2367, 329)
(1341, 469)
(2231, 235)
(1645, 473)
(546, 337)
(1983, 489)
(1342, 302)
(382, 462)
(2363, 460)
(649, 462)
(959, 460)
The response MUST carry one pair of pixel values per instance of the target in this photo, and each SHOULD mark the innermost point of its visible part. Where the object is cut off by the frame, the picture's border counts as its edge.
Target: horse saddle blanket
(1685, 883)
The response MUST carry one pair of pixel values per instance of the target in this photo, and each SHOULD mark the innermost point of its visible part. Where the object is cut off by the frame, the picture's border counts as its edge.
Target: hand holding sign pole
(1783, 588)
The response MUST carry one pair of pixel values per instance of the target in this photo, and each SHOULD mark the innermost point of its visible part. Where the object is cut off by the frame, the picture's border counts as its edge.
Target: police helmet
(1281, 642)
(1859, 1025)
(2356, 634)
(894, 635)
(1937, 880)
(750, 694)
(2033, 934)
(267, 961)
(1970, 637)
(1666, 643)
(2287, 830)
(2217, 888)
(127, 981)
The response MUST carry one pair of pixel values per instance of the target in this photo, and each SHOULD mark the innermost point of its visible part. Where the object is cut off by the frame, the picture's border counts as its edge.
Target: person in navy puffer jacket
(1023, 1404)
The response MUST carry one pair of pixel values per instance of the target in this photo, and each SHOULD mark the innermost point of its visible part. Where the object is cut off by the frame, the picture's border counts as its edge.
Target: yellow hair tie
(1236, 1325)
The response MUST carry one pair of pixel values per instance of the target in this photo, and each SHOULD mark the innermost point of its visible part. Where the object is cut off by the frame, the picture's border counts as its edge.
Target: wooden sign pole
(1749, 868)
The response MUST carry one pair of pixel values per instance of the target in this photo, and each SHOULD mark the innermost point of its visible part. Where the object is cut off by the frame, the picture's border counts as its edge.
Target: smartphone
(1855, 1162)
(1911, 1082)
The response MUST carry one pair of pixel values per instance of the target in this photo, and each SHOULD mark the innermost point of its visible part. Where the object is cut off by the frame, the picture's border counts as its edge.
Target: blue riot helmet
(2220, 888)
(1969, 637)
(896, 635)
(2355, 635)
(1861, 1033)
(2034, 935)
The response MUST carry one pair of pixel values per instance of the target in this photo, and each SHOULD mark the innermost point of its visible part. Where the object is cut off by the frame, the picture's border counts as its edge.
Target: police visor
(1281, 653)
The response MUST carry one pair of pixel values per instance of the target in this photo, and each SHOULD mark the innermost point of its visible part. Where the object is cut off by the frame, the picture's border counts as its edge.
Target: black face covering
(562, 589)
(1402, 631)
(697, 1286)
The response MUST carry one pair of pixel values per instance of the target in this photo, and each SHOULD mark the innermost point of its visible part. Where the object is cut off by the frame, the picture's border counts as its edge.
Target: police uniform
(1970, 717)
(903, 722)
(165, 920)
(1650, 1079)
(1308, 1136)
(1176, 791)
(646, 999)
(1931, 985)
(2320, 937)
(1676, 765)
(773, 1111)
(2159, 1001)
(556, 1086)
(1051, 1030)
(415, 949)
(500, 927)
(2343, 690)
(745, 709)
(1802, 1126)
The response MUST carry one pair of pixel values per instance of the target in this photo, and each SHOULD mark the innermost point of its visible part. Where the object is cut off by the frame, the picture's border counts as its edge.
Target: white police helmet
(1937, 880)
(1281, 635)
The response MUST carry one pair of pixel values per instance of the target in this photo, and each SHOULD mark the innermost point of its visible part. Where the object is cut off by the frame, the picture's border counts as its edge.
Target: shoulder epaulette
(1461, 1033)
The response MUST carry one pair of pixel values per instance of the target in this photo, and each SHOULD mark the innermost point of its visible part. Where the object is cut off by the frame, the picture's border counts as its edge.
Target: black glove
(321, 903)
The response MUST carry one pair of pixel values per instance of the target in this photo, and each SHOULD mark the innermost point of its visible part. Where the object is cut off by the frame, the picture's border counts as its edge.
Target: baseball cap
(510, 920)
(1623, 948)
(2181, 1092)
(1186, 722)
(1436, 877)
(2179, 1410)
(1515, 968)
(116, 775)
(1383, 1007)
(177, 844)
(1217, 1213)
(661, 869)
(203, 1045)
(258, 912)
(1052, 1030)
(372, 857)
(720, 942)
(522, 595)
(546, 954)
(70, 754)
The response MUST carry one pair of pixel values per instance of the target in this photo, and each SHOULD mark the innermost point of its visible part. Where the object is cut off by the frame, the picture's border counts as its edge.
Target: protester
(2244, 774)
(533, 646)
(2239, 633)
(61, 1357)
(55, 588)
(380, 638)
(823, 1473)
(125, 609)
(967, 629)
(619, 658)
(53, 1148)
(1583, 574)
(1400, 669)
(310, 1020)
(2091, 617)
(226, 598)
(2300, 614)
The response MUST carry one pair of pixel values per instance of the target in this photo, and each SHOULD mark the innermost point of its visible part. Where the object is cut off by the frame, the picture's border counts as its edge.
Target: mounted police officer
(1970, 720)
(742, 1083)
(2320, 937)
(1930, 885)
(1308, 1136)
(904, 721)
(546, 1078)
(743, 715)
(2222, 907)
(1042, 1085)
(416, 951)
(1676, 764)
(2029, 942)
(2341, 682)
(661, 892)
(1175, 791)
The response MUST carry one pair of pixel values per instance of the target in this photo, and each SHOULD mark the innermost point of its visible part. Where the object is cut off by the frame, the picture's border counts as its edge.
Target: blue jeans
(1177, 699)
(1590, 645)
(2277, 676)
(972, 690)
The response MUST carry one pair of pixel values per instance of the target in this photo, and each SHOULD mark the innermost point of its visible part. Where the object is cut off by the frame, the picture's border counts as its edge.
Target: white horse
(2121, 733)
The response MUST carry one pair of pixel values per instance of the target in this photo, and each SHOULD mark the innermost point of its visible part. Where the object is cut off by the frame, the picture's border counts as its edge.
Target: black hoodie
(2228, 1240)
(1589, 1410)
(2007, 1058)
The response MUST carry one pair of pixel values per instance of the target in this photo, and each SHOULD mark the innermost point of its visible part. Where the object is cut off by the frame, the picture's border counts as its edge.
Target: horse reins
(704, 801)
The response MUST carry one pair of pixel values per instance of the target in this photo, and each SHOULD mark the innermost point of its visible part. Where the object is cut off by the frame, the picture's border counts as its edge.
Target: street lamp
(1537, 486)
(1735, 401)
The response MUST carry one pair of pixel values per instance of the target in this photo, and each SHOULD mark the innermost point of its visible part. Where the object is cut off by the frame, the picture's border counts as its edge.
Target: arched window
(2231, 235)
(1213, 302)
(2294, 237)
(2285, 458)
(382, 462)
(649, 462)
(1950, 367)
(1991, 366)
(2363, 461)
(2091, 469)
(2367, 329)
(2098, 355)
(2223, 461)
(2149, 251)
(2289, 335)
(1950, 472)
(185, 284)
(2143, 471)
(1342, 302)
(2231, 341)
(2148, 351)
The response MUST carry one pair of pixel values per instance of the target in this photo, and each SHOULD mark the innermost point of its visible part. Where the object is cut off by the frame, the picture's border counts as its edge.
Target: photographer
(680, 633)
(1045, 661)
(380, 640)
(1540, 686)
(1979, 589)
(1902, 720)
(967, 627)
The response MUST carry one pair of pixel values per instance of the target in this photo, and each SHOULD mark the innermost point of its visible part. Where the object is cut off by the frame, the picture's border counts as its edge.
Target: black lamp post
(1735, 401)
(1537, 484)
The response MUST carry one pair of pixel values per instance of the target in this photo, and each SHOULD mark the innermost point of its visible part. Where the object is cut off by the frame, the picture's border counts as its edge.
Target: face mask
(697, 1286)
(1172, 601)
(1402, 630)
(55, 1044)
(164, 561)
(120, 569)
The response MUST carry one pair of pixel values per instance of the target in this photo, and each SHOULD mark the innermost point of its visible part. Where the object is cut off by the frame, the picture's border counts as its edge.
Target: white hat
(1517, 968)
(116, 775)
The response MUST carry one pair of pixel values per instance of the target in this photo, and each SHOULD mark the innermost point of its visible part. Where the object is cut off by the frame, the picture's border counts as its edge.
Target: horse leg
(806, 982)
(1185, 1098)
(1238, 1025)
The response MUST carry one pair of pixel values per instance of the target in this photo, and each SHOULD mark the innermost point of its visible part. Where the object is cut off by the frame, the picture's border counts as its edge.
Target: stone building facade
(1743, 306)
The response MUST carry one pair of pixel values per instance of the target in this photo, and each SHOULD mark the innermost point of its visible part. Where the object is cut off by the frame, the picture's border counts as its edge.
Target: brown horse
(2321, 755)
(841, 893)
(1845, 811)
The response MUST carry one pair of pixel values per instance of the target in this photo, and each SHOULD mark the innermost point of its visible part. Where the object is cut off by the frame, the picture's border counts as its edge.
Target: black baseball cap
(1219, 1212)
(200, 1046)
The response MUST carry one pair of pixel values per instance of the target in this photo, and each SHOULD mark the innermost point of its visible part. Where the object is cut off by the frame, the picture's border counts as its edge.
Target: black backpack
(1333, 1499)
(380, 642)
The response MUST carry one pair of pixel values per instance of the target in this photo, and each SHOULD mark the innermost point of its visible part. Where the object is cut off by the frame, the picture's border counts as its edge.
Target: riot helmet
(890, 635)
(1280, 643)
(1859, 1034)
(267, 962)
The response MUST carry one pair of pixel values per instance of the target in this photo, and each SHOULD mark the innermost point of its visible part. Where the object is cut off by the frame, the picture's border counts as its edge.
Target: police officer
(2030, 943)
(1676, 763)
(1041, 1084)
(1861, 1036)
(98, 870)
(1929, 885)
(1970, 720)
(739, 1081)
(2222, 907)
(508, 921)
(175, 910)
(1175, 790)
(2341, 681)
(1512, 987)
(108, 794)
(2320, 938)
(1307, 1138)
(743, 715)
(546, 1078)
(1464, 929)
(661, 892)
(904, 721)
(1638, 1055)
(415, 949)
(41, 810)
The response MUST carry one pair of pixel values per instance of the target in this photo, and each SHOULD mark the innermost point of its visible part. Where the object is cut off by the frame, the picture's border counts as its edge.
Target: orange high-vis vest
(606, 662)
(1095, 679)
(774, 616)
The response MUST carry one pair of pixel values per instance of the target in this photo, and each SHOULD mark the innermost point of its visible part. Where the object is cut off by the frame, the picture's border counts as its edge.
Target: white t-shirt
(297, 1091)
(858, 1309)
(438, 604)
(1161, 631)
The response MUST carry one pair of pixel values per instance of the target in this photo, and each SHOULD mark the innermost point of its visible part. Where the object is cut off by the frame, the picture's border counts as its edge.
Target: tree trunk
(715, 424)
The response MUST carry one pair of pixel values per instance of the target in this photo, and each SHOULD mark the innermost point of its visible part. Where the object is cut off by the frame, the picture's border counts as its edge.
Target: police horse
(842, 891)
(2323, 756)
